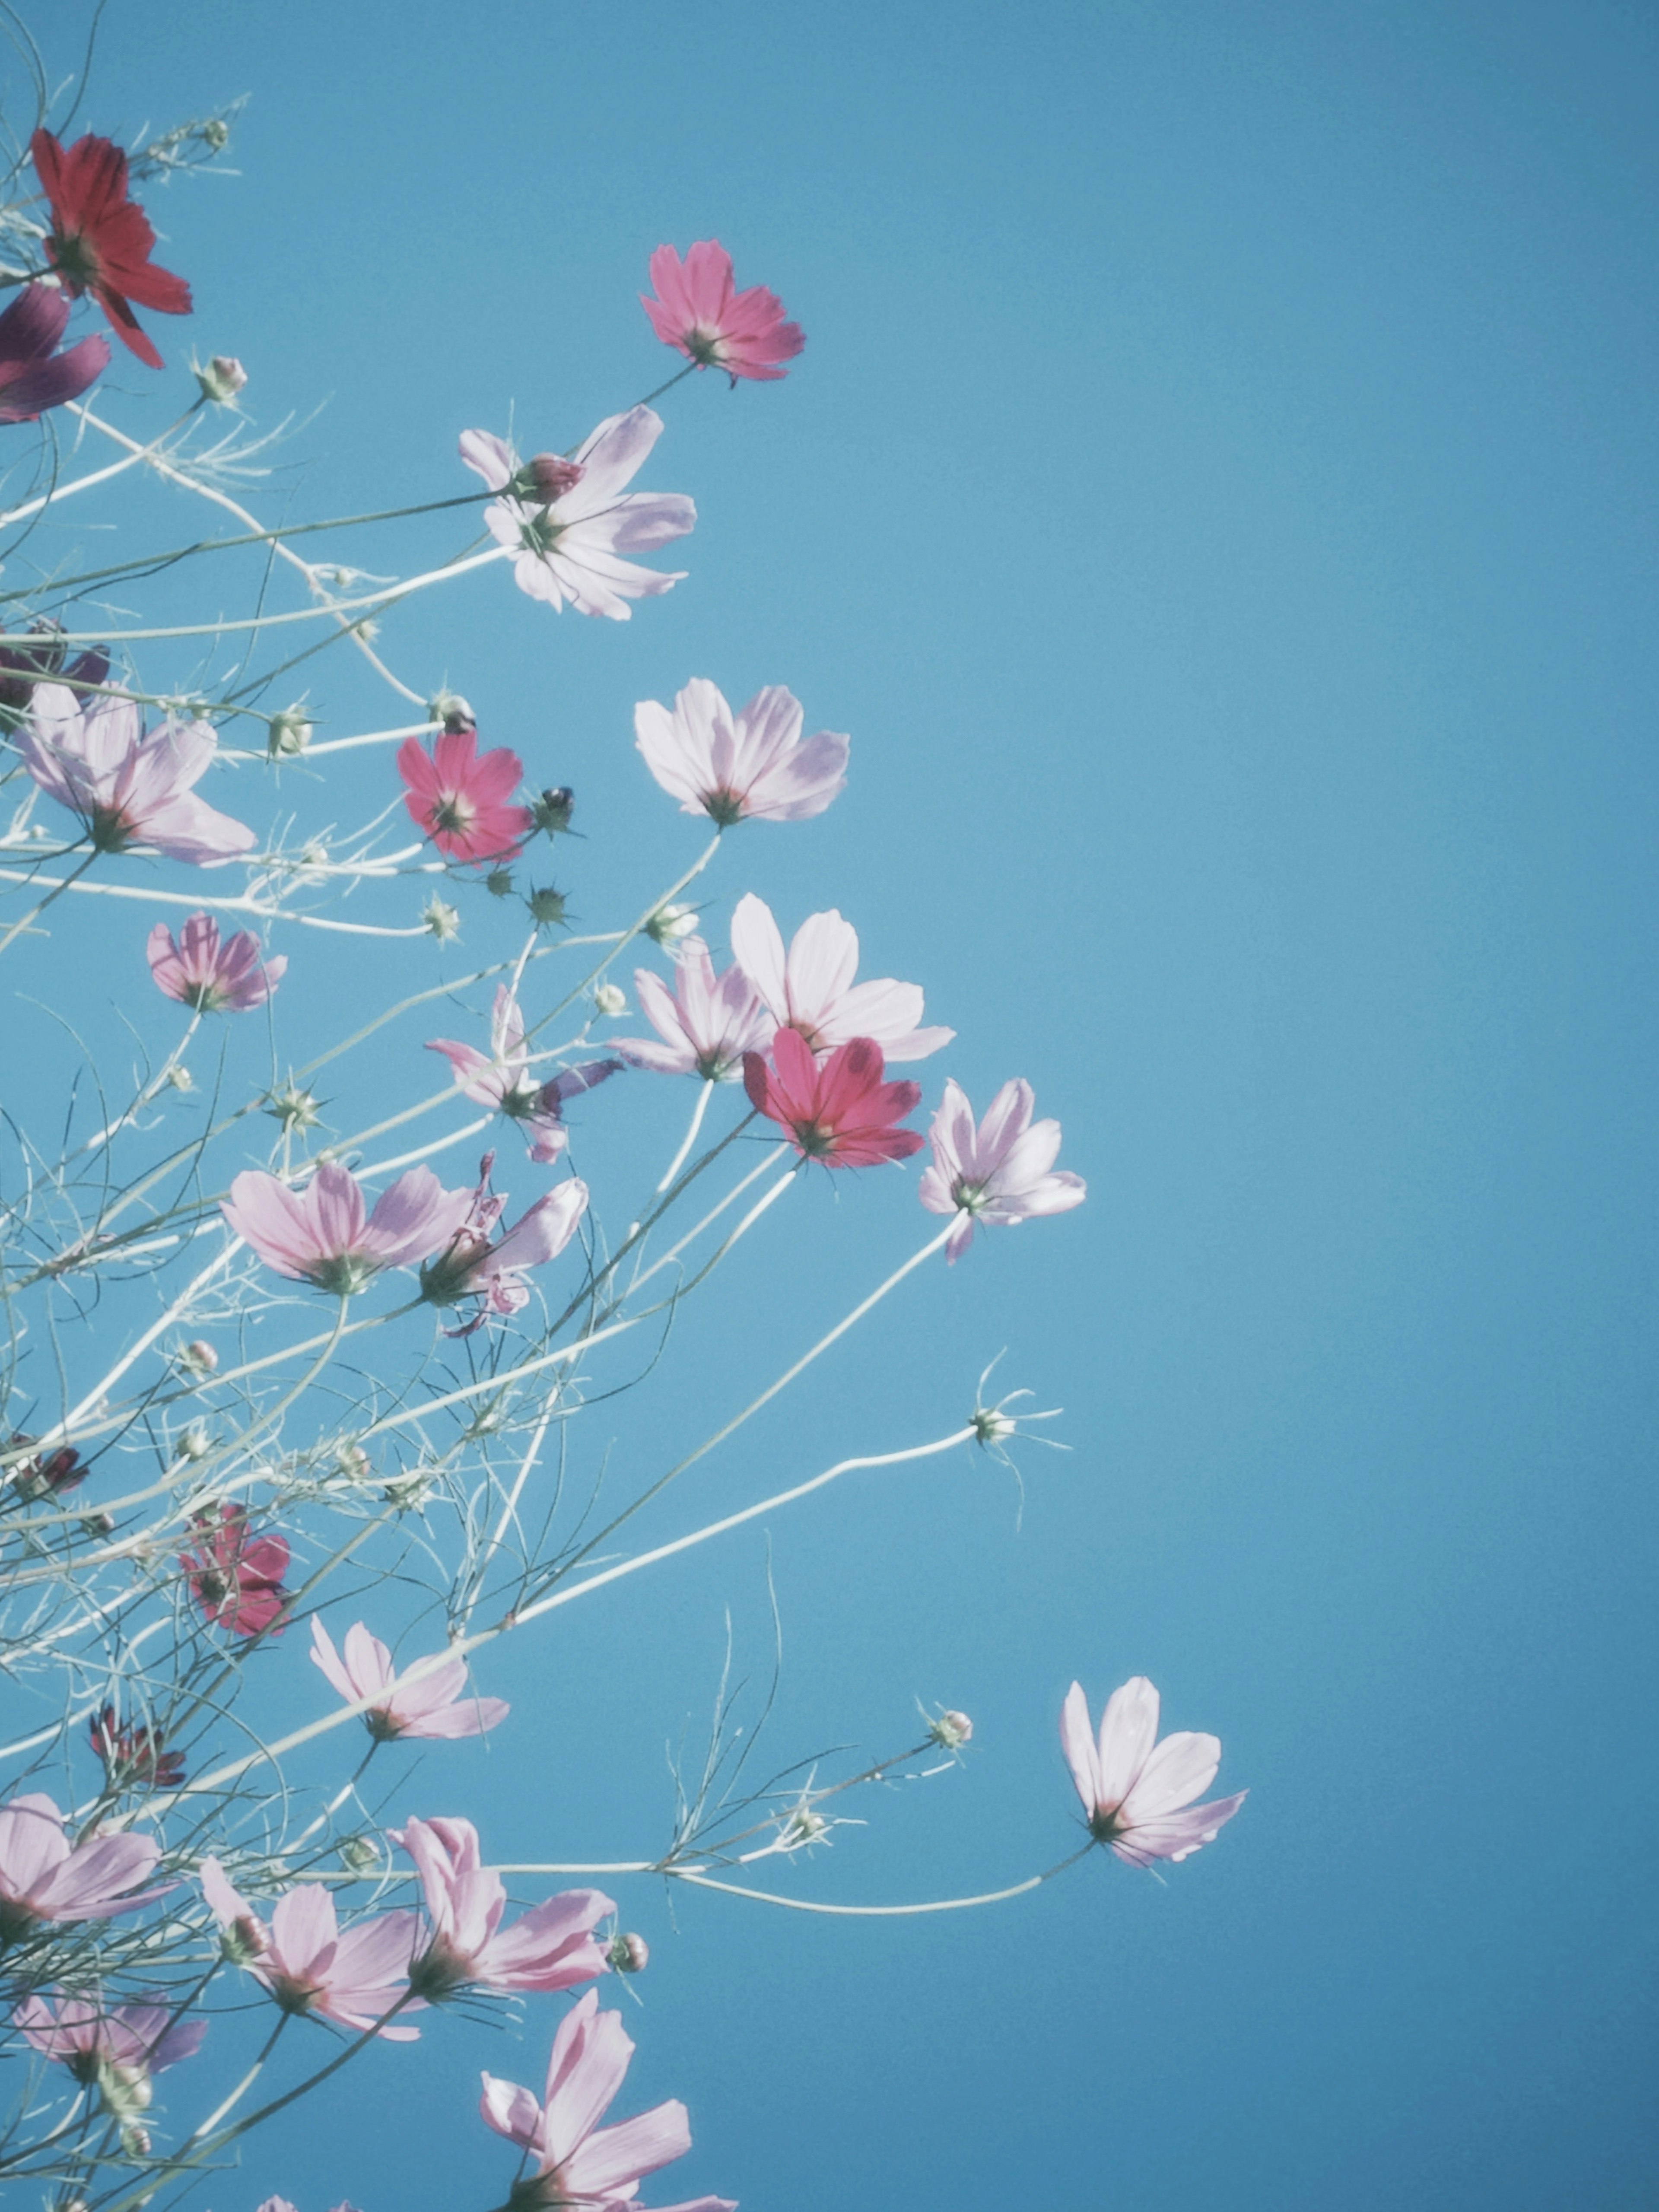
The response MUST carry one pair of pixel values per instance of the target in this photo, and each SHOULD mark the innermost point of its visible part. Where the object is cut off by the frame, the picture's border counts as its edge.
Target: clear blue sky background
(1218, 497)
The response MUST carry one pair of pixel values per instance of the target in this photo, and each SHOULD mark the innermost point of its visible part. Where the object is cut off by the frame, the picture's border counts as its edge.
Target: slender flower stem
(56, 887)
(706, 1092)
(878, 1911)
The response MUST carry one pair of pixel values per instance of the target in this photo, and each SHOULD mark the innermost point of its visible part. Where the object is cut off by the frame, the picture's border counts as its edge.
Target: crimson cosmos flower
(842, 1112)
(134, 1753)
(100, 241)
(33, 376)
(458, 796)
(237, 1580)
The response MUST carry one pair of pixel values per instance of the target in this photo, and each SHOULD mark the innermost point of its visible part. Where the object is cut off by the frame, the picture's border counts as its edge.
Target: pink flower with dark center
(131, 2041)
(33, 375)
(578, 2162)
(44, 1878)
(322, 1234)
(838, 1110)
(1137, 1798)
(502, 1079)
(750, 767)
(472, 1267)
(551, 1946)
(199, 971)
(100, 241)
(700, 313)
(133, 1753)
(309, 1967)
(127, 788)
(569, 548)
(706, 1025)
(438, 1704)
(459, 796)
(812, 990)
(236, 1577)
(999, 1173)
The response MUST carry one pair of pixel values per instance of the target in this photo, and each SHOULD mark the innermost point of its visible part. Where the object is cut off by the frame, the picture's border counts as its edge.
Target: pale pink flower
(438, 1704)
(706, 1025)
(749, 767)
(577, 2161)
(474, 1267)
(322, 1234)
(139, 2039)
(309, 1967)
(551, 1946)
(1138, 1799)
(199, 971)
(999, 1173)
(128, 789)
(569, 548)
(501, 1078)
(700, 313)
(42, 1877)
(813, 991)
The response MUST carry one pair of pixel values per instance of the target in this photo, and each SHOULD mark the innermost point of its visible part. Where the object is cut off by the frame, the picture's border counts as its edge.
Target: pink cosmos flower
(699, 315)
(837, 1111)
(237, 1578)
(551, 1946)
(998, 1173)
(577, 2161)
(813, 991)
(568, 548)
(1139, 1799)
(128, 789)
(438, 1704)
(137, 2039)
(33, 375)
(474, 1267)
(320, 1234)
(135, 1754)
(42, 1877)
(309, 1966)
(200, 972)
(707, 1023)
(502, 1079)
(458, 796)
(752, 768)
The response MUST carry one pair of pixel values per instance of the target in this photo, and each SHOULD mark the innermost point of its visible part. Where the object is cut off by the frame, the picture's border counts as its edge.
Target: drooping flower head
(812, 989)
(1001, 1172)
(551, 1946)
(93, 758)
(44, 1878)
(438, 1704)
(1138, 1793)
(199, 971)
(568, 548)
(44, 659)
(324, 1234)
(705, 1026)
(838, 1110)
(33, 375)
(752, 767)
(100, 241)
(460, 797)
(471, 1265)
(502, 1079)
(699, 312)
(309, 1967)
(134, 1753)
(236, 1577)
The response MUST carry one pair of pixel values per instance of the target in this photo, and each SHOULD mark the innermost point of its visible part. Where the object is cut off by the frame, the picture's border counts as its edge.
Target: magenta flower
(838, 1110)
(577, 2161)
(133, 2040)
(309, 1966)
(998, 1173)
(458, 796)
(752, 768)
(135, 1754)
(813, 991)
(1138, 1799)
(33, 375)
(502, 1079)
(570, 547)
(214, 978)
(438, 1704)
(705, 1026)
(127, 788)
(237, 1578)
(320, 1234)
(551, 1946)
(42, 1877)
(45, 660)
(699, 315)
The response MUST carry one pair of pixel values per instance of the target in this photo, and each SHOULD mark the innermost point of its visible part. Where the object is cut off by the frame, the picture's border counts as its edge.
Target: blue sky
(1218, 497)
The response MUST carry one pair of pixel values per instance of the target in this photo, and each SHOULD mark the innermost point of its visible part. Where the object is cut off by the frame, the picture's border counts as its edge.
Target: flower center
(969, 1197)
(814, 1139)
(540, 532)
(723, 806)
(452, 813)
(706, 347)
(345, 1274)
(75, 259)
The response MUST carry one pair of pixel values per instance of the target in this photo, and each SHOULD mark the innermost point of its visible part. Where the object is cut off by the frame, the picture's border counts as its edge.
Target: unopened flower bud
(216, 134)
(498, 883)
(124, 2089)
(443, 920)
(554, 809)
(628, 1954)
(246, 1939)
(547, 477)
(990, 1426)
(98, 1524)
(292, 1108)
(289, 733)
(135, 2141)
(546, 907)
(193, 1442)
(452, 711)
(352, 1460)
(360, 1854)
(198, 1357)
(222, 378)
(611, 998)
(671, 923)
(951, 1730)
(802, 1828)
(181, 1079)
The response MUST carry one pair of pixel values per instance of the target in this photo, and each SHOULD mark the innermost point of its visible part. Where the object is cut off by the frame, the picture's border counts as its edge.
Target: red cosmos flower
(842, 1112)
(133, 1754)
(458, 796)
(238, 1582)
(100, 241)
